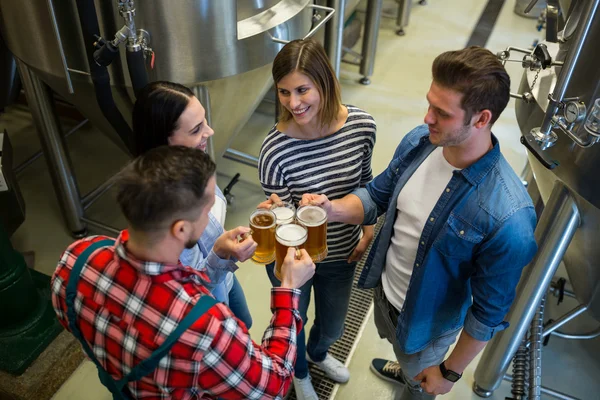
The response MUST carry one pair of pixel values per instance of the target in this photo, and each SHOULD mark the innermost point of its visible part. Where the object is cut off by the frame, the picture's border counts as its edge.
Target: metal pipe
(59, 164)
(535, 352)
(582, 336)
(550, 392)
(574, 313)
(92, 196)
(373, 18)
(403, 16)
(241, 157)
(334, 34)
(37, 155)
(203, 95)
(554, 232)
(530, 6)
(568, 67)
(100, 225)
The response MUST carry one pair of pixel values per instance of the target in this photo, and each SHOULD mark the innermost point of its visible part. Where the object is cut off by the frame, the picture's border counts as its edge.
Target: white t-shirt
(415, 202)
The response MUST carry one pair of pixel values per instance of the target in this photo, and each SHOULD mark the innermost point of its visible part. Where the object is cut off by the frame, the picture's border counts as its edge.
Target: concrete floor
(396, 99)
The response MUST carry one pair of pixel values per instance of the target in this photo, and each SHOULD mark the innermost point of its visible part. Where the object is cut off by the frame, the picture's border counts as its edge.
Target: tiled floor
(396, 98)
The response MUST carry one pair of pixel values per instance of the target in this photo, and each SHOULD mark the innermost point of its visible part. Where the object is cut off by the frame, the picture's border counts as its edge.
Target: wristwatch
(449, 374)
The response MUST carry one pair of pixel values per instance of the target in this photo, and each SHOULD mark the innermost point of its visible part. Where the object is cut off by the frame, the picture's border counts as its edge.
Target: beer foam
(312, 215)
(283, 213)
(291, 235)
(262, 219)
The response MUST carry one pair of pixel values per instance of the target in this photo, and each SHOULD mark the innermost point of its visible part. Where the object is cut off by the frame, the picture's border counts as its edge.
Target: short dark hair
(156, 113)
(308, 57)
(477, 74)
(164, 185)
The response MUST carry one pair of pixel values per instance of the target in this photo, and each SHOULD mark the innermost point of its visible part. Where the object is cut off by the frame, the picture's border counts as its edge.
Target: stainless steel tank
(576, 167)
(559, 118)
(222, 49)
(226, 45)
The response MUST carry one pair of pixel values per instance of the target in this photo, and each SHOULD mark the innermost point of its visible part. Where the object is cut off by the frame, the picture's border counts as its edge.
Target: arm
(217, 255)
(499, 263)
(236, 367)
(466, 349)
(364, 205)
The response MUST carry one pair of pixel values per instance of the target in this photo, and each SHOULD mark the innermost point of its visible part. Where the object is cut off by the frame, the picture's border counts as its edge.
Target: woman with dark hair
(167, 113)
(323, 146)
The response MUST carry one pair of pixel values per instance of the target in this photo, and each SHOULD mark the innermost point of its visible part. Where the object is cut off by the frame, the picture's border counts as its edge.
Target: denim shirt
(202, 257)
(472, 250)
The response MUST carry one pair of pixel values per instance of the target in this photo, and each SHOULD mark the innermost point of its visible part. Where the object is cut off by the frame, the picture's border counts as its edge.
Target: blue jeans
(332, 284)
(238, 304)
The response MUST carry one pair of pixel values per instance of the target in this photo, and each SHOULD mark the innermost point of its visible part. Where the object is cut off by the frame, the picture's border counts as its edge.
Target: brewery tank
(226, 46)
(572, 164)
(559, 117)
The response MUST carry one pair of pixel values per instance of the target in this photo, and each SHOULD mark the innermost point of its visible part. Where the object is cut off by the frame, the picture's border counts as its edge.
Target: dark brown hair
(164, 185)
(477, 74)
(309, 58)
(156, 113)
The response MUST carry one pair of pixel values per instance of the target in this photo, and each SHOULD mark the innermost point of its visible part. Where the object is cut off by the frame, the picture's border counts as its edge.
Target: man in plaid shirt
(133, 294)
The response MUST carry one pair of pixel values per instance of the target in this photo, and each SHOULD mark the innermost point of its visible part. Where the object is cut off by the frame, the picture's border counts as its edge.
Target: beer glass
(314, 218)
(284, 212)
(262, 223)
(288, 235)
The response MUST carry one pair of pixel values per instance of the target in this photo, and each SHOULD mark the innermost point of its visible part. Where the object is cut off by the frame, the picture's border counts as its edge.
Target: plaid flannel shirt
(126, 308)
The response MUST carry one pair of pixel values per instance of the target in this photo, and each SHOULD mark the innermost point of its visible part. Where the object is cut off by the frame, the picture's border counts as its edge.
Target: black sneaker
(388, 370)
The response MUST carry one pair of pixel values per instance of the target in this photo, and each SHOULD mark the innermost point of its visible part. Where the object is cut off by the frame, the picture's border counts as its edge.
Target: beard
(455, 137)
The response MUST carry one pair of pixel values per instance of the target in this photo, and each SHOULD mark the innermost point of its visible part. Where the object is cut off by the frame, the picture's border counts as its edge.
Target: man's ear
(483, 118)
(179, 230)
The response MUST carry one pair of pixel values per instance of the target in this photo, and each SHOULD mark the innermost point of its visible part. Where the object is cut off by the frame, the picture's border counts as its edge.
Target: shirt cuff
(369, 206)
(285, 298)
(218, 263)
(480, 331)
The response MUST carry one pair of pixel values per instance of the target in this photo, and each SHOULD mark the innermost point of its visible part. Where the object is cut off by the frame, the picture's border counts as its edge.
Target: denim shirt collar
(476, 172)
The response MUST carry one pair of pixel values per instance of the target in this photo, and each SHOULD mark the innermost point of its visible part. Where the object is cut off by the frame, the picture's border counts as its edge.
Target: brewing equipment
(558, 115)
(96, 54)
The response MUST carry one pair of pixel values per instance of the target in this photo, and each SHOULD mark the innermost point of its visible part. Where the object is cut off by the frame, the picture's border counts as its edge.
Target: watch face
(452, 376)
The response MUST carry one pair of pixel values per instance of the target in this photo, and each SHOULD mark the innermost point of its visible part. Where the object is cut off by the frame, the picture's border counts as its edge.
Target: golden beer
(289, 235)
(284, 212)
(262, 223)
(314, 218)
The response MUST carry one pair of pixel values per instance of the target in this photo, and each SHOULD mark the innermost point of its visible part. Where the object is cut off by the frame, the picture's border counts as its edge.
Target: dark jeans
(332, 284)
(386, 320)
(238, 304)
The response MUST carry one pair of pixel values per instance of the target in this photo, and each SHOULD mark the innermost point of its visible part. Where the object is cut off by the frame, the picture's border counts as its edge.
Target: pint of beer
(314, 218)
(262, 223)
(289, 235)
(284, 212)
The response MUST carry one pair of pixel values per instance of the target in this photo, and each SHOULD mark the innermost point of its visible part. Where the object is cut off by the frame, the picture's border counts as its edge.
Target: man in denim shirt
(459, 228)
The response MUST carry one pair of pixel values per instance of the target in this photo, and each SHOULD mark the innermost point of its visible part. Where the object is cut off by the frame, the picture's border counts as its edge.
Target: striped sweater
(334, 165)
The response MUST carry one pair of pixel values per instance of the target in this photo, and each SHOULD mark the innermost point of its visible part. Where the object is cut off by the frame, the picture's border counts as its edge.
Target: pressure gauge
(574, 111)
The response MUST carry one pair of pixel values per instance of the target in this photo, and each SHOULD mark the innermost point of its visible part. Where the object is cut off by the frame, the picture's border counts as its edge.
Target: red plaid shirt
(126, 308)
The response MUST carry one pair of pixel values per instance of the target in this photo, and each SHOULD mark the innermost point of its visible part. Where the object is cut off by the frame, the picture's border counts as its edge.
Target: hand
(228, 244)
(433, 382)
(273, 199)
(360, 248)
(296, 272)
(317, 200)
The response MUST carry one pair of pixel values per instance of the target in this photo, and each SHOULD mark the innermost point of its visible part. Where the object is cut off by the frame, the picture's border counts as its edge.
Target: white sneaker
(335, 370)
(304, 389)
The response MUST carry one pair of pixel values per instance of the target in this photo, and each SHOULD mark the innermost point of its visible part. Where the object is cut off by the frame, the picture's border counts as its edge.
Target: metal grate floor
(358, 313)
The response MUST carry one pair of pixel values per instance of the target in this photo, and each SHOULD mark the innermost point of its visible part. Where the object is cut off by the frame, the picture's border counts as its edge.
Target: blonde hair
(309, 58)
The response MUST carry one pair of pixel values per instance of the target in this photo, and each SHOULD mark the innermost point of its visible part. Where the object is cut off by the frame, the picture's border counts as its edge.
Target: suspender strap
(119, 388)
